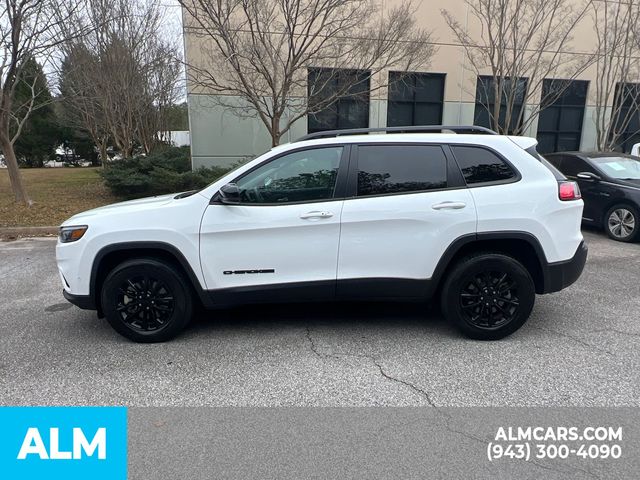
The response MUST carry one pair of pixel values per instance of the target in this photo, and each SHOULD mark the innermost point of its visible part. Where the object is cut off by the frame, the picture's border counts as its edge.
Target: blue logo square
(63, 443)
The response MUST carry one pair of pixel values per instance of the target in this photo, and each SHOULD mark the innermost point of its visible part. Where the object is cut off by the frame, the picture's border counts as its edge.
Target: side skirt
(383, 289)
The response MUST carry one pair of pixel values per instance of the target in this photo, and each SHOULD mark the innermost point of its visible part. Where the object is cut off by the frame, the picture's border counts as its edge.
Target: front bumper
(84, 302)
(560, 275)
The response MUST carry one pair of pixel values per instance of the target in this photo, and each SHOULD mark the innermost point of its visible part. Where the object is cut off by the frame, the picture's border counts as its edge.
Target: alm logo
(34, 445)
(63, 443)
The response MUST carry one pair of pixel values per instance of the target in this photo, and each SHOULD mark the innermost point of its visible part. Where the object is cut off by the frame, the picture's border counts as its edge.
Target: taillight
(569, 191)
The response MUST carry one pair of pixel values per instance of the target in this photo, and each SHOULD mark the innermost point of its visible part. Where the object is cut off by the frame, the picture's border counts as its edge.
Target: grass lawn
(57, 193)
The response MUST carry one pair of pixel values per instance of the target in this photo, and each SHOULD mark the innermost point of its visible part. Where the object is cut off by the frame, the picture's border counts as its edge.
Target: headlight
(71, 234)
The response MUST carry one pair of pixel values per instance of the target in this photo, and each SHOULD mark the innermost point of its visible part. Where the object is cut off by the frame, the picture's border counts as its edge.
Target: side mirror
(635, 150)
(589, 176)
(229, 194)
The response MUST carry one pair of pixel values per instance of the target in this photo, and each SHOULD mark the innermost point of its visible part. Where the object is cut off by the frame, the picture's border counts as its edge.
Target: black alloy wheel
(488, 296)
(490, 299)
(147, 300)
(145, 303)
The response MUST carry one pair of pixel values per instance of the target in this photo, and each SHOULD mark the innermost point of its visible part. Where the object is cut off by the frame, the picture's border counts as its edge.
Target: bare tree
(259, 52)
(80, 106)
(617, 93)
(123, 75)
(522, 43)
(28, 29)
(162, 71)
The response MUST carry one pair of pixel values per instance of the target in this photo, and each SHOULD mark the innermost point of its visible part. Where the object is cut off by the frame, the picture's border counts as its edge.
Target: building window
(350, 110)
(415, 99)
(560, 123)
(512, 91)
(626, 126)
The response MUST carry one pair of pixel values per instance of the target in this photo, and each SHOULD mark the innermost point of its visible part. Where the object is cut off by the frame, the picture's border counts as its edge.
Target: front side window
(386, 169)
(480, 165)
(302, 176)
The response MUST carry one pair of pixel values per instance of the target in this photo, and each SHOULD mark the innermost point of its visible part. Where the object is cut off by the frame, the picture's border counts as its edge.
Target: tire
(464, 290)
(622, 223)
(165, 300)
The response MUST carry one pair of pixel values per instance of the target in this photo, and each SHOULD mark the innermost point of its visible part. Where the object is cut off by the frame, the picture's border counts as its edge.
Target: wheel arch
(522, 246)
(113, 255)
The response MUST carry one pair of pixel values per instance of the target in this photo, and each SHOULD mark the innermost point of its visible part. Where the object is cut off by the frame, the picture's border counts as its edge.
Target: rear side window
(480, 165)
(385, 169)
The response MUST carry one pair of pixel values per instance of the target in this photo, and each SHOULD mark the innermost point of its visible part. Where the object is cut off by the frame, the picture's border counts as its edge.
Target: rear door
(407, 203)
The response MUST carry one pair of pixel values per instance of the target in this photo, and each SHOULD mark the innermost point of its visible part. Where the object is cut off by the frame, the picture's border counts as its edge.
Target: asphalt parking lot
(581, 347)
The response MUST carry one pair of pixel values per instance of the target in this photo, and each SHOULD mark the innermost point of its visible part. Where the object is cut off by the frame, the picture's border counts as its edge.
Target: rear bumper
(560, 275)
(82, 301)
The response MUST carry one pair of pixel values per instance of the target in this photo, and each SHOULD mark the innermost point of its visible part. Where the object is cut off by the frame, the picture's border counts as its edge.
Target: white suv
(479, 219)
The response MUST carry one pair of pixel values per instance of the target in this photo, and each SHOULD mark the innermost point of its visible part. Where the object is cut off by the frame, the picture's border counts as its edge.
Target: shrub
(166, 171)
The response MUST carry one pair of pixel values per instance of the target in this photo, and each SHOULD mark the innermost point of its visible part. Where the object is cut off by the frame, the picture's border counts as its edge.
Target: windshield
(621, 168)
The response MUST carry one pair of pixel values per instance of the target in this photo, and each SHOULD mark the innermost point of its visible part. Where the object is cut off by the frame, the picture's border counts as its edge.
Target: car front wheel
(147, 300)
(622, 223)
(488, 296)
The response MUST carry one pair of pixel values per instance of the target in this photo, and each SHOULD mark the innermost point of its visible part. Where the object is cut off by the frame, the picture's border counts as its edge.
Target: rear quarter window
(479, 165)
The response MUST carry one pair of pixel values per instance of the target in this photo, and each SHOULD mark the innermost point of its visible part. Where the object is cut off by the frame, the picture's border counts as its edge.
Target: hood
(130, 205)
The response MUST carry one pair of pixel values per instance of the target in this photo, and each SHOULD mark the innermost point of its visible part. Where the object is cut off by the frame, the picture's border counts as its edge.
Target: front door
(284, 234)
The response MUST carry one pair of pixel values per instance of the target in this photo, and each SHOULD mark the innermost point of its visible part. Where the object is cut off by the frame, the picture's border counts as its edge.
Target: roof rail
(408, 129)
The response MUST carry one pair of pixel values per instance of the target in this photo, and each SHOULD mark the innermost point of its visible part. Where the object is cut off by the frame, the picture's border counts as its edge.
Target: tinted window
(480, 165)
(297, 177)
(571, 166)
(555, 160)
(400, 168)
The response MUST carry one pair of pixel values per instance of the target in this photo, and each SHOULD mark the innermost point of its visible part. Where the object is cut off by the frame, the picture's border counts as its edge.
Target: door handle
(449, 206)
(316, 214)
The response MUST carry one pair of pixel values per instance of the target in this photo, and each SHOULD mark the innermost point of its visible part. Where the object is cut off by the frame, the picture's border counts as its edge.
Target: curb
(12, 233)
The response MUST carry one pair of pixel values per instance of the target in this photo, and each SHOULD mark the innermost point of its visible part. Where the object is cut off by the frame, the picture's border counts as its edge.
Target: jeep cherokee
(476, 218)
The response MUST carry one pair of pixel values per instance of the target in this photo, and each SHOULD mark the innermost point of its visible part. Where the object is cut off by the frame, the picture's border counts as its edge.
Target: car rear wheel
(147, 300)
(622, 223)
(488, 296)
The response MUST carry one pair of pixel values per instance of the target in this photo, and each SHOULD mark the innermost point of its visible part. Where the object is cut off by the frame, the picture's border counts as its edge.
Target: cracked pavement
(579, 348)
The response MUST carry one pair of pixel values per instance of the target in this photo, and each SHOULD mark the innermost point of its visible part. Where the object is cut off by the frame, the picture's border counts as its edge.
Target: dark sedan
(610, 185)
